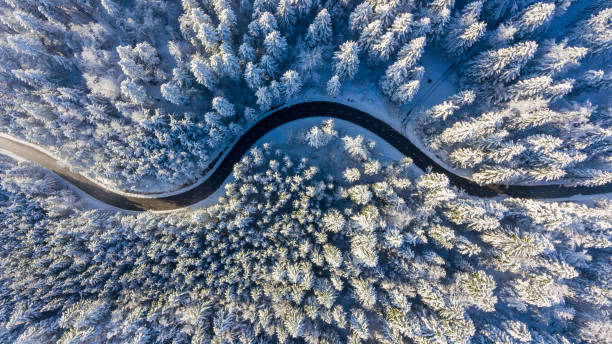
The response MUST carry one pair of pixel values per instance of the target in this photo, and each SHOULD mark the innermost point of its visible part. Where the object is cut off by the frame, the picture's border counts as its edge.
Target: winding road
(280, 117)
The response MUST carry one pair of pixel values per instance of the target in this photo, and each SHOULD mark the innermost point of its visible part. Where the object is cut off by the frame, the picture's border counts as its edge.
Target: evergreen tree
(320, 31)
(370, 35)
(246, 52)
(386, 45)
(532, 18)
(333, 86)
(253, 75)
(285, 12)
(595, 32)
(134, 92)
(269, 65)
(291, 83)
(276, 45)
(346, 60)
(558, 57)
(360, 17)
(464, 29)
(502, 64)
(173, 93)
(264, 98)
(203, 73)
(223, 107)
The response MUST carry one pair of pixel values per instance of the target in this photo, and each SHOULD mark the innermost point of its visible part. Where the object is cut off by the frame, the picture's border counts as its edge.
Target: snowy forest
(143, 95)
(377, 253)
(324, 235)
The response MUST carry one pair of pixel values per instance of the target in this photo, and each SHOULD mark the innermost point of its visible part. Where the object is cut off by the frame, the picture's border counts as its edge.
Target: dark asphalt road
(282, 116)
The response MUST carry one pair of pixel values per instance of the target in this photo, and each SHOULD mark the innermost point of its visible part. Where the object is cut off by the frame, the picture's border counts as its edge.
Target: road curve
(280, 117)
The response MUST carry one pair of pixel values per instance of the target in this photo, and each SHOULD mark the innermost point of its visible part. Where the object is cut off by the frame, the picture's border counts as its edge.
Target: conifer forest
(306, 171)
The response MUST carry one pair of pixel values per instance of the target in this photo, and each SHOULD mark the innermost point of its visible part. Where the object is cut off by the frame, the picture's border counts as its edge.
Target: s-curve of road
(280, 117)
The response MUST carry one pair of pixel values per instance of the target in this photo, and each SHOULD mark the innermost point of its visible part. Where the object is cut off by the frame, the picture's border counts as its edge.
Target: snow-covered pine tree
(384, 47)
(203, 73)
(558, 57)
(291, 83)
(333, 86)
(528, 87)
(320, 31)
(223, 107)
(439, 11)
(285, 12)
(370, 35)
(449, 106)
(346, 60)
(405, 92)
(595, 32)
(264, 98)
(360, 17)
(173, 93)
(464, 29)
(502, 64)
(253, 76)
(276, 45)
(134, 92)
(269, 65)
(532, 18)
(246, 52)
(402, 26)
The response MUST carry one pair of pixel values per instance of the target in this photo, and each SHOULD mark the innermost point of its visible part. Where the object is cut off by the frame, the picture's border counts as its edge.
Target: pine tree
(595, 32)
(318, 137)
(26, 44)
(351, 175)
(478, 289)
(440, 12)
(411, 52)
(385, 46)
(203, 73)
(253, 75)
(558, 57)
(264, 98)
(320, 31)
(396, 82)
(467, 156)
(267, 23)
(495, 175)
(309, 61)
(246, 52)
(173, 93)
(359, 324)
(269, 65)
(406, 91)
(528, 87)
(223, 107)
(355, 147)
(346, 60)
(385, 12)
(402, 26)
(134, 92)
(333, 86)
(276, 45)
(291, 83)
(502, 64)
(285, 12)
(370, 35)
(230, 63)
(532, 18)
(449, 106)
(464, 29)
(34, 77)
(360, 16)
